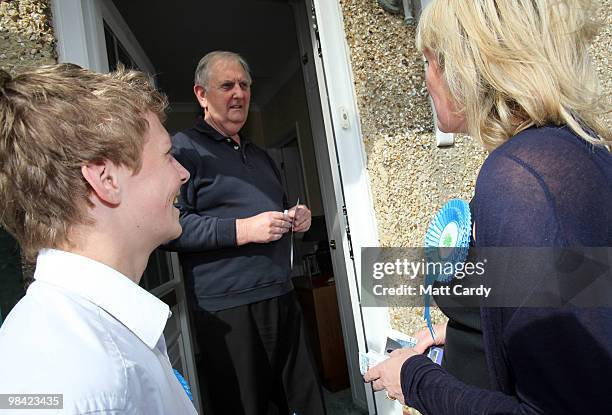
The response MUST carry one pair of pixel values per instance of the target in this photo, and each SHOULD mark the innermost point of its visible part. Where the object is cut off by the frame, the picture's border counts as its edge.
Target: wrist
(242, 232)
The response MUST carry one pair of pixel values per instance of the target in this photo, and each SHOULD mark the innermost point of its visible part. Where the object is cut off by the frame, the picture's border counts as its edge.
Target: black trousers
(255, 360)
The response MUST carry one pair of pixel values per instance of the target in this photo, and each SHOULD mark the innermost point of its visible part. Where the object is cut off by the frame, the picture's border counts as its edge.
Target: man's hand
(301, 217)
(386, 375)
(263, 228)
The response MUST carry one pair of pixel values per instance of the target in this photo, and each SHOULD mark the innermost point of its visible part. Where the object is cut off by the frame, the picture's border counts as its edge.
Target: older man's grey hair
(202, 73)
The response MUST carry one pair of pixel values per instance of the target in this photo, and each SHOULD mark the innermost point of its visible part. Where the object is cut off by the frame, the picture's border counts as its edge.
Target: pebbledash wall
(26, 34)
(410, 177)
(26, 40)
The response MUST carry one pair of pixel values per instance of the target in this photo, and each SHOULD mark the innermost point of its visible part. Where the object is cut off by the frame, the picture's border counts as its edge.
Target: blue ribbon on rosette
(446, 243)
(184, 384)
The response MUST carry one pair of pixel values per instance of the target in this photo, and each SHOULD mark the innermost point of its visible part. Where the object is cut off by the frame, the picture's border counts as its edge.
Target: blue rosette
(446, 243)
(184, 384)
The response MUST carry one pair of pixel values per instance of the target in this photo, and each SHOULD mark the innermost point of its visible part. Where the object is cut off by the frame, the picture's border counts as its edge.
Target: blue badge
(446, 243)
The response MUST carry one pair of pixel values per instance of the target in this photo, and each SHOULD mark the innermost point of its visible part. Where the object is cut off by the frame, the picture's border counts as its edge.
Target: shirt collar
(141, 312)
(205, 128)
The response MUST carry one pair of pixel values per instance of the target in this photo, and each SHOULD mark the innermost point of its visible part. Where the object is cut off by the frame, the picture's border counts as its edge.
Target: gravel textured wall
(26, 40)
(601, 50)
(410, 177)
(26, 35)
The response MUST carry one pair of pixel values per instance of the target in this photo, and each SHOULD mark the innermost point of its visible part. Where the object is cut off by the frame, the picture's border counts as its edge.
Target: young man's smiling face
(227, 96)
(150, 193)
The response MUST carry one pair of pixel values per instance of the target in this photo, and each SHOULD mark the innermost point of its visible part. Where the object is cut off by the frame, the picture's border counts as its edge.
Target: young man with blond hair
(88, 183)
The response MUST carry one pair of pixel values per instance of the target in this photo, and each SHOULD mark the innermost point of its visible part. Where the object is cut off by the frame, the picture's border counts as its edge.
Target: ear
(103, 177)
(435, 66)
(200, 94)
(432, 60)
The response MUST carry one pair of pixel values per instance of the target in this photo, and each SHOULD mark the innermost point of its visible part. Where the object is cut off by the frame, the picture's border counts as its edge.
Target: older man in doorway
(235, 251)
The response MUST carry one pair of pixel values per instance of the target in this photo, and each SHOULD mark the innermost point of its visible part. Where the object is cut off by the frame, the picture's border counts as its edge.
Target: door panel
(333, 197)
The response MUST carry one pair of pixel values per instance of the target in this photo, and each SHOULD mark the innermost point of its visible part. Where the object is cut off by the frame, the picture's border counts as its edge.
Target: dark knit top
(545, 187)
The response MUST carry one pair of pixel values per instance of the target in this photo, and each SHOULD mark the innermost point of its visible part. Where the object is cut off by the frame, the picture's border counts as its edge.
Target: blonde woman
(515, 75)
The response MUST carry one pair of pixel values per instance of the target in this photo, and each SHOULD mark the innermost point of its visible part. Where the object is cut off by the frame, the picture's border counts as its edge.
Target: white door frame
(352, 161)
(333, 198)
(79, 31)
(341, 108)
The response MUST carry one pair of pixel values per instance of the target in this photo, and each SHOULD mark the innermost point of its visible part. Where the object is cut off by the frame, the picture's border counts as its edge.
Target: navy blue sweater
(545, 187)
(228, 182)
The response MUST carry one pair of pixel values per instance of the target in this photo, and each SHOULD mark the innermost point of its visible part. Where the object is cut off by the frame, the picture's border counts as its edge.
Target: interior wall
(278, 119)
(179, 120)
(410, 177)
(253, 128)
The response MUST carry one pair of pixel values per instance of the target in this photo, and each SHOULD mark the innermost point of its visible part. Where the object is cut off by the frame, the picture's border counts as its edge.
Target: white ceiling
(175, 35)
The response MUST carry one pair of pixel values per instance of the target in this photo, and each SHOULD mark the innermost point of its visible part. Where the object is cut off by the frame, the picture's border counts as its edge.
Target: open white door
(345, 186)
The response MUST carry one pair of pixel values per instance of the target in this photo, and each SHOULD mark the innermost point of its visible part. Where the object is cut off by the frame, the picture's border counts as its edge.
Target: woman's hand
(387, 375)
(424, 340)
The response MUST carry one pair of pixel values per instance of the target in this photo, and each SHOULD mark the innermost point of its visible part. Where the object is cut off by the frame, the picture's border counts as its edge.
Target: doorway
(278, 39)
(283, 119)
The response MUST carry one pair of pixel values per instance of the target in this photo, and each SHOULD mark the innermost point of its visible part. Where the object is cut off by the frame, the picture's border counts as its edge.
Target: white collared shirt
(88, 332)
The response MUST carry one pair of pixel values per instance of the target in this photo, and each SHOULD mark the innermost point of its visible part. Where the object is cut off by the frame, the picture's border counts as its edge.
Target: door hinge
(315, 28)
(348, 232)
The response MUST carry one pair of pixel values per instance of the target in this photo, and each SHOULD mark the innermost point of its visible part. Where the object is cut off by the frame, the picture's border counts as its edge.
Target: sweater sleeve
(430, 390)
(559, 360)
(200, 232)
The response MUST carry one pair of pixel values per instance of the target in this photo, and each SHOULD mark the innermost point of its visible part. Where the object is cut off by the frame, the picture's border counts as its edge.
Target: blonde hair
(53, 120)
(513, 64)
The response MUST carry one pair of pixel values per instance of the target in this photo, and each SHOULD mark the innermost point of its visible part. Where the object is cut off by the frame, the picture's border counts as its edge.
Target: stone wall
(601, 51)
(410, 177)
(26, 35)
(26, 40)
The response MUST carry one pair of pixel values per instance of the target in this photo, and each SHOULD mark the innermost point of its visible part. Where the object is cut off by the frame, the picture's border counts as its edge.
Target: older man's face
(226, 97)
